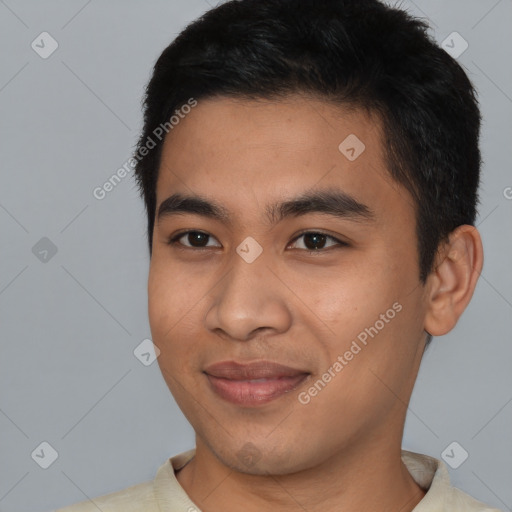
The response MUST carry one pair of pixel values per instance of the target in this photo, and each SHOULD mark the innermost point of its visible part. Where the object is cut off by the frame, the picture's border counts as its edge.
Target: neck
(364, 479)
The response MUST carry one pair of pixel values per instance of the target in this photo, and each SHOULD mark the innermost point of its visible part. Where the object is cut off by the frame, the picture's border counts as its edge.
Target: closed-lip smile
(255, 383)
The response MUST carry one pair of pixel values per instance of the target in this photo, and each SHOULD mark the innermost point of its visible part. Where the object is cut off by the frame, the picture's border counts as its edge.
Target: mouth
(255, 383)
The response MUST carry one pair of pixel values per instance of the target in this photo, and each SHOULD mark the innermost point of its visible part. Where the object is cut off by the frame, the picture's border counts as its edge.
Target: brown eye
(194, 239)
(316, 241)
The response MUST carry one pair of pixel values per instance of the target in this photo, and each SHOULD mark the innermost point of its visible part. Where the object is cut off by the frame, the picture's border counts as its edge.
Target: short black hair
(357, 53)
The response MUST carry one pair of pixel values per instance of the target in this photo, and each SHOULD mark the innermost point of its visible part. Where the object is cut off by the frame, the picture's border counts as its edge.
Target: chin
(253, 458)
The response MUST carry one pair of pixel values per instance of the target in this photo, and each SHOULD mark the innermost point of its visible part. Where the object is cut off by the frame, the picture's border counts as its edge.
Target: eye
(316, 241)
(195, 239)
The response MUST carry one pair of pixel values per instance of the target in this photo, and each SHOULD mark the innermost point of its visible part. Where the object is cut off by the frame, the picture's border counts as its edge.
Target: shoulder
(459, 500)
(135, 498)
(164, 492)
(432, 475)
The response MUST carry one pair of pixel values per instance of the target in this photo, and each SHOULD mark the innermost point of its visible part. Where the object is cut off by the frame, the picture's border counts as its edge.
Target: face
(284, 290)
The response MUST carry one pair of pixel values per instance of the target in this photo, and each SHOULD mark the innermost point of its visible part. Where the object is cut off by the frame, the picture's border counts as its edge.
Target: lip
(253, 384)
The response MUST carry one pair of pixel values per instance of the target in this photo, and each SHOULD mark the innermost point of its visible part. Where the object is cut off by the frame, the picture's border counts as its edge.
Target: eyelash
(174, 240)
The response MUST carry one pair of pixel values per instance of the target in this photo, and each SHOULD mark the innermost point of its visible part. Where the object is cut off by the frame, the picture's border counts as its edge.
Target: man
(310, 174)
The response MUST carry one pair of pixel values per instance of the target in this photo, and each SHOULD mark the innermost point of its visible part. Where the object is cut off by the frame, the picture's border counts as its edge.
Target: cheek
(348, 301)
(172, 295)
(169, 326)
(363, 303)
(172, 304)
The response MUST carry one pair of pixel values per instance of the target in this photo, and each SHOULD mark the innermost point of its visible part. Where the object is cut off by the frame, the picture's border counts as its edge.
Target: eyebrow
(331, 202)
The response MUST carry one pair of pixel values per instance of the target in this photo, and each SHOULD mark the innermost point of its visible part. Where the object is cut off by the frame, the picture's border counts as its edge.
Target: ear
(452, 282)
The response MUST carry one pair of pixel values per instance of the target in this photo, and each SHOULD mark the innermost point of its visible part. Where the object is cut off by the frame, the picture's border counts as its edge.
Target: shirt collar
(429, 473)
(432, 476)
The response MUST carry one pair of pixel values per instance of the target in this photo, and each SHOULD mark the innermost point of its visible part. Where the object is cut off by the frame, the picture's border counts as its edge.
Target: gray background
(69, 325)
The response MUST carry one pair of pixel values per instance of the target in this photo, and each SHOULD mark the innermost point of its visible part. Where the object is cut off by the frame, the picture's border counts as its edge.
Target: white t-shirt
(165, 494)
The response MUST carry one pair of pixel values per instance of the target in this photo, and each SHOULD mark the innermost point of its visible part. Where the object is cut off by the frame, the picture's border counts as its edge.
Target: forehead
(250, 152)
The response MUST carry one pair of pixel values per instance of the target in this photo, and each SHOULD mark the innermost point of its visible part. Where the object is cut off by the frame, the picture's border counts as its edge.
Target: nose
(250, 299)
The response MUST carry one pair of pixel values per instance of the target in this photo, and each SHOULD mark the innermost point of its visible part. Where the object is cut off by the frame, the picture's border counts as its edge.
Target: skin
(340, 451)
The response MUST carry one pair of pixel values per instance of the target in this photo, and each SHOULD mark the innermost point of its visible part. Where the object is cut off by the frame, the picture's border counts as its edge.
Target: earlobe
(453, 280)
